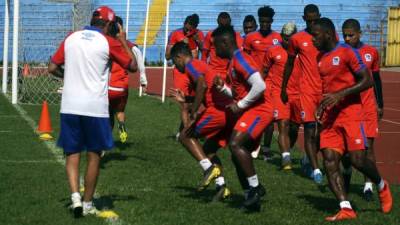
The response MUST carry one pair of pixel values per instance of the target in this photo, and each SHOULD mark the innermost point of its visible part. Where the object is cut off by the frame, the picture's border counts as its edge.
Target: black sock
(121, 126)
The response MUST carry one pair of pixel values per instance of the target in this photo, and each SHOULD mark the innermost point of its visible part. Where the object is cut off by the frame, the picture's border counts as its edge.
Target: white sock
(316, 171)
(220, 181)
(253, 181)
(381, 185)
(76, 195)
(345, 204)
(368, 186)
(205, 164)
(87, 205)
(285, 154)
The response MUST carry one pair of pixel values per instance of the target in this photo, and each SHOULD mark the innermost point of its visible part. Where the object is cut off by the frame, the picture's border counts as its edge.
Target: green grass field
(152, 179)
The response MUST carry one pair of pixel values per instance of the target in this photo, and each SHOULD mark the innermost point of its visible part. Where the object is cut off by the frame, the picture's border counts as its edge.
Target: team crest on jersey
(276, 113)
(305, 44)
(336, 60)
(243, 124)
(368, 57)
(358, 141)
(275, 41)
(303, 115)
(278, 57)
(257, 41)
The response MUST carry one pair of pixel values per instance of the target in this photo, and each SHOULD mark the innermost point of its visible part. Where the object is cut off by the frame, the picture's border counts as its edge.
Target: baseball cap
(105, 13)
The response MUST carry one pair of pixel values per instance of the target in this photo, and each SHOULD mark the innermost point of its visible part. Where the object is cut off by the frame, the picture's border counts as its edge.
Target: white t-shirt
(87, 56)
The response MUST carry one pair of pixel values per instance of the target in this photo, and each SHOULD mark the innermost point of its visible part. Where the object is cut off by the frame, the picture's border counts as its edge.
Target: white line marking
(5, 131)
(392, 109)
(26, 161)
(9, 116)
(390, 121)
(57, 153)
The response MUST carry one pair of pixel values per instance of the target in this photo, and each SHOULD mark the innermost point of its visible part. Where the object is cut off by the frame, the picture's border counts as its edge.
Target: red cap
(105, 13)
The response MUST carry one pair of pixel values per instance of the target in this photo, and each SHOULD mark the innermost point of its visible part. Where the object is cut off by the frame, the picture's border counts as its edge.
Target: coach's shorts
(309, 104)
(295, 108)
(343, 136)
(79, 133)
(118, 100)
(182, 82)
(255, 120)
(281, 110)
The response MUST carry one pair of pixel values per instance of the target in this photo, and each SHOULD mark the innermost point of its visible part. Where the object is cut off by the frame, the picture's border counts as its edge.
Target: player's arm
(246, 45)
(220, 85)
(201, 88)
(378, 92)
(121, 36)
(56, 61)
(256, 91)
(56, 70)
(286, 76)
(205, 50)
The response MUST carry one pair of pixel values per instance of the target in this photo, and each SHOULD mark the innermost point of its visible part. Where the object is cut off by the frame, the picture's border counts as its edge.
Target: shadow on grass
(104, 202)
(323, 204)
(112, 156)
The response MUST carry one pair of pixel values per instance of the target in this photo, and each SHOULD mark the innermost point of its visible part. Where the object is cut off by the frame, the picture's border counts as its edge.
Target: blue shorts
(79, 133)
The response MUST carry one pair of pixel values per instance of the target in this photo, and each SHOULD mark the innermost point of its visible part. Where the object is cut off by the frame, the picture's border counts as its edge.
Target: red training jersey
(274, 61)
(370, 58)
(293, 86)
(216, 63)
(301, 44)
(119, 76)
(257, 44)
(178, 36)
(196, 68)
(336, 69)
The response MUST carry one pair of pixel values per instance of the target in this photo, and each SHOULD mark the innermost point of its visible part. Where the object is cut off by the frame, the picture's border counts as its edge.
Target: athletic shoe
(286, 163)
(91, 211)
(368, 195)
(267, 154)
(385, 197)
(123, 136)
(222, 193)
(253, 200)
(76, 206)
(343, 214)
(209, 175)
(256, 152)
(317, 178)
(347, 180)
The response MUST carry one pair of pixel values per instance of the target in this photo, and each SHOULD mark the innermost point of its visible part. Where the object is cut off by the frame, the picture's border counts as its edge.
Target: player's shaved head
(180, 48)
(351, 24)
(326, 25)
(311, 8)
(224, 19)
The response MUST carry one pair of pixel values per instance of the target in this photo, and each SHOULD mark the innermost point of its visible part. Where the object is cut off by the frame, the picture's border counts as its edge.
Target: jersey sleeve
(239, 40)
(354, 60)
(195, 69)
(118, 54)
(59, 56)
(207, 41)
(292, 48)
(268, 61)
(375, 63)
(247, 43)
(245, 65)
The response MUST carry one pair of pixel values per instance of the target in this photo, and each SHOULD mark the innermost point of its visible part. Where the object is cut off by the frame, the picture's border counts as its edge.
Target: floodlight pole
(5, 44)
(14, 86)
(165, 60)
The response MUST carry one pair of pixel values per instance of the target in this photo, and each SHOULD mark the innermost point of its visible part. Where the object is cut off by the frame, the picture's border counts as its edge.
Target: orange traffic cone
(26, 71)
(45, 123)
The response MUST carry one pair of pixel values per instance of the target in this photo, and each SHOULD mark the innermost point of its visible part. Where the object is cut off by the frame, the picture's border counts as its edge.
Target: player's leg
(268, 135)
(284, 143)
(72, 169)
(310, 146)
(92, 173)
(293, 133)
(368, 188)
(336, 184)
(123, 134)
(347, 171)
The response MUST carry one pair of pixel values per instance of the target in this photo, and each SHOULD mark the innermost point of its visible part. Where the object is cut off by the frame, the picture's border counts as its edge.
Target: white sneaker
(76, 206)
(90, 211)
(255, 153)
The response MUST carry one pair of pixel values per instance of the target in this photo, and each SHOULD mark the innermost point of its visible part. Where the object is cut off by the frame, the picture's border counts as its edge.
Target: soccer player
(208, 53)
(372, 99)
(256, 44)
(250, 107)
(209, 123)
(344, 77)
(274, 64)
(300, 45)
(85, 124)
(118, 85)
(249, 25)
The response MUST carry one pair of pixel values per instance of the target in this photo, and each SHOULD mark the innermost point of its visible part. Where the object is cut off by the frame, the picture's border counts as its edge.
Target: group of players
(239, 85)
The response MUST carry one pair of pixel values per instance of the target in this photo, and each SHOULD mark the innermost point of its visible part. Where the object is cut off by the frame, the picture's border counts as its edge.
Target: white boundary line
(26, 161)
(390, 121)
(57, 154)
(391, 109)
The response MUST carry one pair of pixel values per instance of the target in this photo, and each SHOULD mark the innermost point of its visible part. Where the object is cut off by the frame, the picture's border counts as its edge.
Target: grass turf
(152, 179)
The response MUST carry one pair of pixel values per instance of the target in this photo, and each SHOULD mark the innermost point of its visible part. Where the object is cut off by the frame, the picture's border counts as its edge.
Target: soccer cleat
(76, 206)
(343, 214)
(91, 211)
(385, 197)
(267, 154)
(368, 195)
(222, 193)
(256, 152)
(286, 163)
(253, 200)
(209, 175)
(317, 177)
(123, 136)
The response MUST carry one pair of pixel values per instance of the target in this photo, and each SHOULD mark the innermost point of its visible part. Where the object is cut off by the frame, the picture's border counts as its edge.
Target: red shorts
(212, 125)
(255, 120)
(370, 117)
(309, 104)
(182, 82)
(295, 109)
(343, 136)
(117, 100)
(281, 110)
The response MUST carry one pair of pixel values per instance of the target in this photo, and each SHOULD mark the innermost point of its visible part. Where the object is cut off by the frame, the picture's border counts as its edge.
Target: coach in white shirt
(86, 56)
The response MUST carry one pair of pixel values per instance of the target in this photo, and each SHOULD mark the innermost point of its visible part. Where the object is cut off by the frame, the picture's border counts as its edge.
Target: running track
(386, 145)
